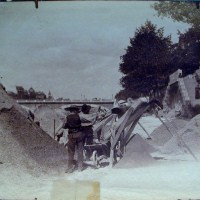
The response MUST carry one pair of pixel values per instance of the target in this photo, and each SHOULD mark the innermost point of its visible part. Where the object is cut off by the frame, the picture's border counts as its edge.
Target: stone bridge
(57, 104)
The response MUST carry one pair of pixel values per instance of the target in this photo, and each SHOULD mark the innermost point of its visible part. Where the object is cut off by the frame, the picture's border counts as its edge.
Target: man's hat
(85, 107)
(72, 108)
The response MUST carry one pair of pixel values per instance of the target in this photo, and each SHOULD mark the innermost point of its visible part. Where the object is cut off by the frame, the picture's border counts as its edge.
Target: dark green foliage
(146, 61)
(179, 11)
(186, 53)
(125, 94)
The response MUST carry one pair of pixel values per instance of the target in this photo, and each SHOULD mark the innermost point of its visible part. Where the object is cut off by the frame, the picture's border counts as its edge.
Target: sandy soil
(165, 180)
(33, 165)
(25, 145)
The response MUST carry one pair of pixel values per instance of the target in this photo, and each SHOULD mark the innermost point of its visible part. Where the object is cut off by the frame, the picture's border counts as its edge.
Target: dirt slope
(25, 145)
(137, 154)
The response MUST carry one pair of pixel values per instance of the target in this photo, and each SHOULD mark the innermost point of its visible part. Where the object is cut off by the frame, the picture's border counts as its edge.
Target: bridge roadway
(57, 104)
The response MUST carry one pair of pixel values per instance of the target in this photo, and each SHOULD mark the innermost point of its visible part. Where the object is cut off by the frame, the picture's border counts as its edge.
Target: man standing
(87, 121)
(75, 139)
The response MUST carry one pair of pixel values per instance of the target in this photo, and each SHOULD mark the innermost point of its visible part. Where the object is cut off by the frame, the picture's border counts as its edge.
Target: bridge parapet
(56, 104)
(62, 102)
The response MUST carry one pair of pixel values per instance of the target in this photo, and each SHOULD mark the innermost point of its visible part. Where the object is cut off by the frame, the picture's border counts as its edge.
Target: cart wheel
(117, 152)
(118, 145)
(94, 159)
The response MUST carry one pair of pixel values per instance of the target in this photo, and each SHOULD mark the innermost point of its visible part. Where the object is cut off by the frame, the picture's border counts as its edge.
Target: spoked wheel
(118, 151)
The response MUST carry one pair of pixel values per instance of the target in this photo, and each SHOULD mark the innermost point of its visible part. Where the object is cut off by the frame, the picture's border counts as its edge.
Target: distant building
(40, 95)
(67, 99)
(50, 97)
(32, 94)
(96, 99)
(106, 99)
(59, 99)
(20, 92)
(26, 94)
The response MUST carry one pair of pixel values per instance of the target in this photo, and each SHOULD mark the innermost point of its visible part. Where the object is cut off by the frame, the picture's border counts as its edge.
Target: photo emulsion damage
(99, 100)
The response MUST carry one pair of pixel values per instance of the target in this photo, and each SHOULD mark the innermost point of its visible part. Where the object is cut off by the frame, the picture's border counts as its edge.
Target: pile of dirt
(161, 135)
(7, 102)
(137, 154)
(190, 134)
(25, 145)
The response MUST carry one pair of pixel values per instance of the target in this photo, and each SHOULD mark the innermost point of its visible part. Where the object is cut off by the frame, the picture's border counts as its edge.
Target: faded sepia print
(99, 100)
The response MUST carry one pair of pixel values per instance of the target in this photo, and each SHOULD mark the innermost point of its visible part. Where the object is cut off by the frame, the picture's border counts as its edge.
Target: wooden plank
(103, 134)
(120, 121)
(111, 160)
(134, 119)
(112, 153)
(134, 107)
(121, 127)
(129, 117)
(129, 132)
(139, 110)
(111, 163)
(98, 126)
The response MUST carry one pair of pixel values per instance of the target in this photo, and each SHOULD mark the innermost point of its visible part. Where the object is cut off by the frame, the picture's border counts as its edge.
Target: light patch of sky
(71, 48)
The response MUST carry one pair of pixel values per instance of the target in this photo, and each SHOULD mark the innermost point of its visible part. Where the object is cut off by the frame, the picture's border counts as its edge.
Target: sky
(71, 48)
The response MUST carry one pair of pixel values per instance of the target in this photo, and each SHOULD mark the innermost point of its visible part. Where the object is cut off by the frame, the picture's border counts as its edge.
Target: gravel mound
(25, 145)
(190, 134)
(161, 135)
(137, 154)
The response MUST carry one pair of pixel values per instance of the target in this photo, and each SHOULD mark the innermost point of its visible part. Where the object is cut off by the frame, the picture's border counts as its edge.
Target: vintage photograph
(99, 100)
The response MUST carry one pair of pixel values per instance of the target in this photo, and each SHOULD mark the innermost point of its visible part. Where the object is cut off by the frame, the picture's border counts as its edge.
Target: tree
(186, 53)
(186, 12)
(125, 94)
(145, 64)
